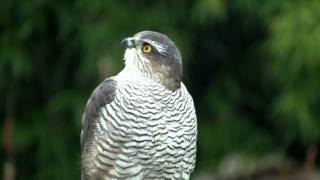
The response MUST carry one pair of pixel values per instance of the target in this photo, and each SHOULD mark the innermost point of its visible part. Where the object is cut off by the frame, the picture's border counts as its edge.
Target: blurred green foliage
(253, 68)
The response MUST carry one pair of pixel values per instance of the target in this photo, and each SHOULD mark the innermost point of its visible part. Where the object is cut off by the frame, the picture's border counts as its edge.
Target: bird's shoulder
(103, 94)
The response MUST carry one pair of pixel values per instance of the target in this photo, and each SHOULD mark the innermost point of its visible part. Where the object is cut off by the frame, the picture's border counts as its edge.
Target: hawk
(141, 123)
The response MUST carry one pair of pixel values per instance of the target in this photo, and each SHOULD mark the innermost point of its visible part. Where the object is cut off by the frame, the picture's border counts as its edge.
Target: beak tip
(123, 41)
(128, 42)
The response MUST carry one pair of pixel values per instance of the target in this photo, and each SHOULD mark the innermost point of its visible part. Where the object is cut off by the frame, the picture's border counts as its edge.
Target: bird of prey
(141, 123)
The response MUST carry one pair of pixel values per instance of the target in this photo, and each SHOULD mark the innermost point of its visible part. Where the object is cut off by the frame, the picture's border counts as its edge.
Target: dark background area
(252, 67)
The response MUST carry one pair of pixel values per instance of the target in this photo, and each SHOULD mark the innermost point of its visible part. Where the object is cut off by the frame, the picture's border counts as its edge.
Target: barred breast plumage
(136, 127)
(147, 131)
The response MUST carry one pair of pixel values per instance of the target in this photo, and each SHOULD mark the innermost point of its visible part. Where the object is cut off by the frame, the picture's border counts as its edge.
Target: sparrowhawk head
(154, 55)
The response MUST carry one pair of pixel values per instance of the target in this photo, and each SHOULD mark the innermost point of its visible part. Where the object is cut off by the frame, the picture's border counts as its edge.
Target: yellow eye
(147, 48)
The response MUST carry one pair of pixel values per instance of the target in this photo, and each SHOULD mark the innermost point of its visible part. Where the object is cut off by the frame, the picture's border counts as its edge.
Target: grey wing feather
(102, 95)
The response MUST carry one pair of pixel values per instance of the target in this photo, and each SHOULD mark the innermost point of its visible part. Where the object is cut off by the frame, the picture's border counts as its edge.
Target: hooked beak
(128, 42)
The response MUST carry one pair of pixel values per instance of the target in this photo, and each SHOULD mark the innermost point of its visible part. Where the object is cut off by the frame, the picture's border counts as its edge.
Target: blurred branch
(310, 163)
(9, 168)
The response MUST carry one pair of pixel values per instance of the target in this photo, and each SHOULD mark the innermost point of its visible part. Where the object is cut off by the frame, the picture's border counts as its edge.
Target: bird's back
(146, 132)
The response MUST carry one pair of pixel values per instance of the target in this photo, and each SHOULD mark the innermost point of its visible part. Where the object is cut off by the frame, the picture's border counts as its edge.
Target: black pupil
(146, 47)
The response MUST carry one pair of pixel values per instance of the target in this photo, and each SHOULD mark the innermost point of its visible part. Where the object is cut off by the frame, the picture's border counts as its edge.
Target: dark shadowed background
(252, 67)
